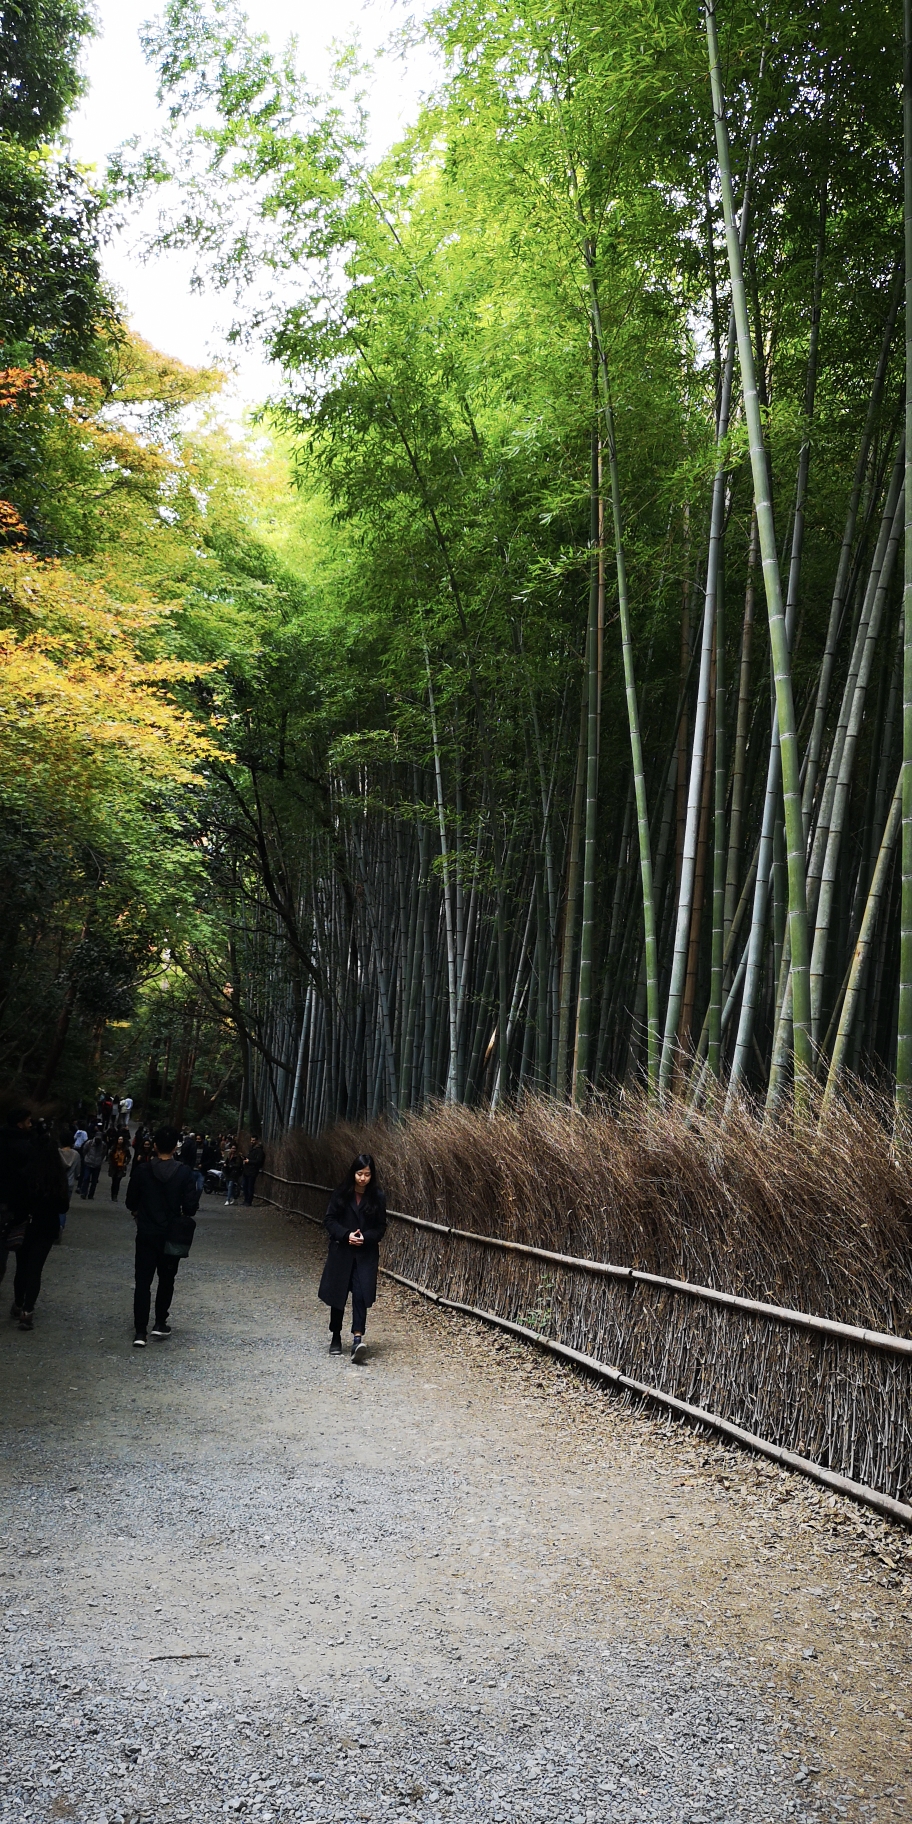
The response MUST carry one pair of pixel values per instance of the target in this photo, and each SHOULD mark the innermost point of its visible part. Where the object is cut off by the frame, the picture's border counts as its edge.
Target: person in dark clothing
(93, 1158)
(190, 1151)
(253, 1165)
(234, 1172)
(15, 1151)
(143, 1155)
(356, 1222)
(15, 1148)
(72, 1165)
(163, 1198)
(48, 1195)
(209, 1156)
(118, 1160)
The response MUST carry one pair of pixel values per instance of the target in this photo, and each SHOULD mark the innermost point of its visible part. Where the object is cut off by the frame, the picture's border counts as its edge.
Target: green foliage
(40, 41)
(54, 304)
(435, 319)
(53, 301)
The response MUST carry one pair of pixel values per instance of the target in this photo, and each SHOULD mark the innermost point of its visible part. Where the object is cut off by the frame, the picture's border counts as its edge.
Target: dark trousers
(30, 1263)
(359, 1305)
(151, 1259)
(116, 1179)
(250, 1179)
(89, 1180)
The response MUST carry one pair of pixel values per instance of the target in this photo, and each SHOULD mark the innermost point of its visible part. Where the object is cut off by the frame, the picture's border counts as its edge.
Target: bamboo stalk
(904, 1022)
(581, 1059)
(837, 604)
(568, 932)
(633, 714)
(450, 1091)
(862, 952)
(779, 645)
(825, 812)
(847, 758)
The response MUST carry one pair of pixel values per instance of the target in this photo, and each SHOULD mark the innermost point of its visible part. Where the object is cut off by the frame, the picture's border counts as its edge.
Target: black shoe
(15, 1310)
(26, 1320)
(139, 1341)
(335, 1347)
(161, 1329)
(359, 1349)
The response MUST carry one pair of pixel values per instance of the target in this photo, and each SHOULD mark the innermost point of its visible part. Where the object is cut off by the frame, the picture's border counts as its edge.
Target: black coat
(15, 1154)
(342, 1218)
(158, 1195)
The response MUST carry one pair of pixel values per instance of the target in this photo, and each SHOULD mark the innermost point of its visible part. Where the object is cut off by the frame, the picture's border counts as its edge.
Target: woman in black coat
(48, 1191)
(356, 1221)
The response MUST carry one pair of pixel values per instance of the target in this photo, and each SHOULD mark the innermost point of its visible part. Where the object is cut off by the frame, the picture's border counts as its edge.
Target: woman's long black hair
(357, 1165)
(45, 1174)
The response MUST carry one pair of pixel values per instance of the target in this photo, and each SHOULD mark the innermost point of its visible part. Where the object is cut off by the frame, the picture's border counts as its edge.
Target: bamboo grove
(552, 726)
(588, 766)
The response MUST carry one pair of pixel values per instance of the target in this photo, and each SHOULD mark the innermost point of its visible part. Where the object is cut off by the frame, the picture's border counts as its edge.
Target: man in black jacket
(253, 1165)
(164, 1199)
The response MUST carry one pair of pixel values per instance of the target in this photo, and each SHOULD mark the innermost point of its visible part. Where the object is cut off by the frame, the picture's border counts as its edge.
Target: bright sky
(121, 103)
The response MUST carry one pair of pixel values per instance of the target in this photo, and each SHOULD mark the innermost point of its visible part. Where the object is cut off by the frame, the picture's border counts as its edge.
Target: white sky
(121, 103)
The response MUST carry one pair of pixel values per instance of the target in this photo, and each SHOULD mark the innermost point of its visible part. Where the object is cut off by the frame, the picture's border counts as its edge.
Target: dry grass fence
(816, 1219)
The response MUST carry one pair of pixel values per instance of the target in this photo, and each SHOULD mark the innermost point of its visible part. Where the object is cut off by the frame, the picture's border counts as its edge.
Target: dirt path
(458, 1582)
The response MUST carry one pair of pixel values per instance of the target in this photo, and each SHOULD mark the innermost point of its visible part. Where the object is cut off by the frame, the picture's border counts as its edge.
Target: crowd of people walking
(166, 1173)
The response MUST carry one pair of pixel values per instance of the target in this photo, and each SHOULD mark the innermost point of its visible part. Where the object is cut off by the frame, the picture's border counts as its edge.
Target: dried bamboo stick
(800, 1320)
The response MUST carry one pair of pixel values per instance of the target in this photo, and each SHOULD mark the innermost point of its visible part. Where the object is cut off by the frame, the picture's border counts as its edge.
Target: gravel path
(242, 1579)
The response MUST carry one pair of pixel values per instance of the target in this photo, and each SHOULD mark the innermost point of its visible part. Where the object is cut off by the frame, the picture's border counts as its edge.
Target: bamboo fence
(833, 1400)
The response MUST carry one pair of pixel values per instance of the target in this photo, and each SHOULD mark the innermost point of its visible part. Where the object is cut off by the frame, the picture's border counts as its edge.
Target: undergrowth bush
(817, 1217)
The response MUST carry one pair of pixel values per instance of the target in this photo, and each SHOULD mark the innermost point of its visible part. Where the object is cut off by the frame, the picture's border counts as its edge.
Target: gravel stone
(239, 1579)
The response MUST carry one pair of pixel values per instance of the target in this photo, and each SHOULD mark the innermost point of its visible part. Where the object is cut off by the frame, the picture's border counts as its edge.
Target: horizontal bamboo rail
(776, 1453)
(779, 1314)
(872, 1497)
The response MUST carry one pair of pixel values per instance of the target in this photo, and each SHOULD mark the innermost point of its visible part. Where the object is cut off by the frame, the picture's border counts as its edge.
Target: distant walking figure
(164, 1200)
(234, 1172)
(253, 1165)
(118, 1161)
(356, 1221)
(93, 1158)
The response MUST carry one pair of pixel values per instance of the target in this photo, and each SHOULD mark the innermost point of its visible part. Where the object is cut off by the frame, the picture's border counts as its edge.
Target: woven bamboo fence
(829, 1397)
(765, 1280)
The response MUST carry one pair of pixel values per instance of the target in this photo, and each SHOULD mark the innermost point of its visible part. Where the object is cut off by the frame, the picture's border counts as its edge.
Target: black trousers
(250, 1179)
(359, 1305)
(151, 1259)
(30, 1261)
